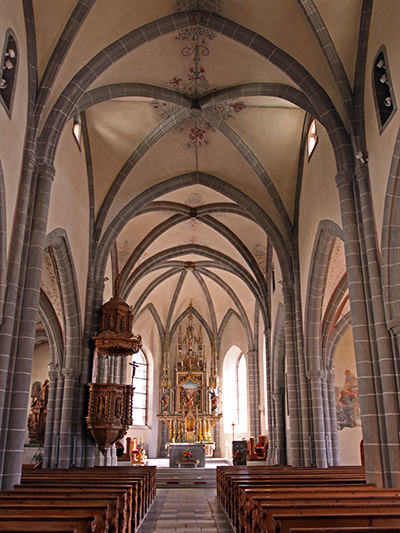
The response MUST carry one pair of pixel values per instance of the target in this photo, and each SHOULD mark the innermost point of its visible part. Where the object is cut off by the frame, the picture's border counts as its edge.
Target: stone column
(389, 417)
(327, 419)
(330, 382)
(253, 391)
(51, 412)
(57, 421)
(362, 341)
(295, 446)
(19, 380)
(124, 377)
(279, 452)
(67, 417)
(163, 439)
(315, 378)
(217, 440)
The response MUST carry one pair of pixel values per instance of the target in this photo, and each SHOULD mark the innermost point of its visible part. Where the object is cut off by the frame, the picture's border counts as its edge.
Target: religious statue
(38, 414)
(214, 402)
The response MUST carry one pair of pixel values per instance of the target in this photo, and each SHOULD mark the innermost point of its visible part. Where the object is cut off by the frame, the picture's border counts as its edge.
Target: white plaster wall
(319, 200)
(12, 143)
(69, 205)
(385, 30)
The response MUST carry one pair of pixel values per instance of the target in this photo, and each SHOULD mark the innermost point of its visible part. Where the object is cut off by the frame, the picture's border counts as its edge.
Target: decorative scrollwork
(203, 5)
(199, 37)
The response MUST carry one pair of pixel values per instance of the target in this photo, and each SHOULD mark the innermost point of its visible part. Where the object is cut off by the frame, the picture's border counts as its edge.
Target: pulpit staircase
(186, 478)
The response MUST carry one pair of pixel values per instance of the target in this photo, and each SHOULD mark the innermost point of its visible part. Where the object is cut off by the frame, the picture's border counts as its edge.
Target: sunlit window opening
(312, 138)
(139, 400)
(77, 130)
(235, 391)
(241, 388)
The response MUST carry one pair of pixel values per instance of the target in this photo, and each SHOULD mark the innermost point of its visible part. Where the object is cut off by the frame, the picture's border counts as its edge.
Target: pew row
(101, 499)
(269, 499)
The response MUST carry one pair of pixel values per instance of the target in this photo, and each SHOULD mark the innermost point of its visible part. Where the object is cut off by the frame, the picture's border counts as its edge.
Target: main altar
(189, 394)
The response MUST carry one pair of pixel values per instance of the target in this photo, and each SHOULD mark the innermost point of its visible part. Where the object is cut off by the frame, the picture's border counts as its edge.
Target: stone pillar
(19, 380)
(163, 439)
(67, 417)
(295, 446)
(330, 383)
(279, 450)
(217, 440)
(362, 341)
(315, 379)
(253, 391)
(57, 421)
(389, 417)
(51, 412)
(124, 377)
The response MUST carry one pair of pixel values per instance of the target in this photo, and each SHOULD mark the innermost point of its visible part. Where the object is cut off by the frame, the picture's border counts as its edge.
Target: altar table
(176, 452)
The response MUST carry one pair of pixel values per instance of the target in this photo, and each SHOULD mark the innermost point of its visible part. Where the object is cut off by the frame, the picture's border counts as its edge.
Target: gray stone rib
(154, 284)
(60, 51)
(208, 298)
(175, 297)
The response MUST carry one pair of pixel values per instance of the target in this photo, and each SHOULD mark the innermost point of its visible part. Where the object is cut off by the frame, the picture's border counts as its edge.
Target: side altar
(189, 394)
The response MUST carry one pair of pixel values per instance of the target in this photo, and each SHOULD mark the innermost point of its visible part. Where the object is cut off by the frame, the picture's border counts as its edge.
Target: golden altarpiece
(189, 395)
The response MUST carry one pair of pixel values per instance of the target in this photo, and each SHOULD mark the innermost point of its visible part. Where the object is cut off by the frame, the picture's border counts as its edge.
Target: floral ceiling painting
(193, 82)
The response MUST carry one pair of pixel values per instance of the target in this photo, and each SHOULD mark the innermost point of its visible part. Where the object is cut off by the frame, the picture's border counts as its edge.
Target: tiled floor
(183, 510)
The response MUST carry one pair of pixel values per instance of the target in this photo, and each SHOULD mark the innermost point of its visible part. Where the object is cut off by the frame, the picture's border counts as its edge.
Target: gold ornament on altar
(189, 395)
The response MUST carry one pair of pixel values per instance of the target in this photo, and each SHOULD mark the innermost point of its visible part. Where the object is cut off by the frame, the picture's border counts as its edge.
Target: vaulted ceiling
(196, 137)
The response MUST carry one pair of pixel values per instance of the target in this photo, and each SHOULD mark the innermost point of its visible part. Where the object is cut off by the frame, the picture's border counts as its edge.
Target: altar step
(186, 478)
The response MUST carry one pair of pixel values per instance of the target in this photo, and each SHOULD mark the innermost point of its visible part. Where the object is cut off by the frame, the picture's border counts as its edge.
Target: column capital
(313, 375)
(29, 163)
(54, 372)
(71, 373)
(287, 287)
(394, 325)
(46, 168)
(345, 177)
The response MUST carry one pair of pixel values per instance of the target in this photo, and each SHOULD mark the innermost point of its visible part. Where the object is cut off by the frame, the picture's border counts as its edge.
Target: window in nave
(8, 71)
(383, 91)
(139, 400)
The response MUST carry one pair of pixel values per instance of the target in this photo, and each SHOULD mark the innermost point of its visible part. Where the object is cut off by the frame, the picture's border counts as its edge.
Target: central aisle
(191, 510)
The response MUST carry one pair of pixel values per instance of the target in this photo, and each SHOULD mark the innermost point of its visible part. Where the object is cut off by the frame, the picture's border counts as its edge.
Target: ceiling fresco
(194, 143)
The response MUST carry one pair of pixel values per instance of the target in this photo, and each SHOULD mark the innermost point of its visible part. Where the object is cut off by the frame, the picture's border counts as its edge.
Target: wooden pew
(230, 478)
(35, 524)
(332, 509)
(144, 476)
(255, 503)
(234, 484)
(365, 529)
(118, 500)
(101, 514)
(285, 523)
(70, 486)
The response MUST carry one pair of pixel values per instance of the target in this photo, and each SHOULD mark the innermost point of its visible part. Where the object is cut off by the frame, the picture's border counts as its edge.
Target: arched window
(241, 392)
(140, 383)
(9, 61)
(235, 391)
(312, 138)
(383, 91)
